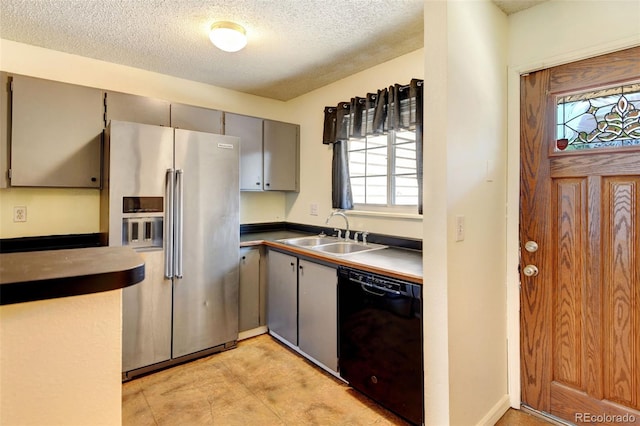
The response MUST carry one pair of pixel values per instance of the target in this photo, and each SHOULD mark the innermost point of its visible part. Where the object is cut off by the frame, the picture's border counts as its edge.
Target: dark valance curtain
(341, 196)
(397, 107)
(337, 128)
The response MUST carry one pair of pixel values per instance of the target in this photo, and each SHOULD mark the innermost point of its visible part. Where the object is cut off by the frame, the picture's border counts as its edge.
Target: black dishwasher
(380, 340)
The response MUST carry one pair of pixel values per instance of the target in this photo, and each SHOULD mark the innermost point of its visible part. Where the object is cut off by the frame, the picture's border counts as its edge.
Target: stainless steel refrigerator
(173, 195)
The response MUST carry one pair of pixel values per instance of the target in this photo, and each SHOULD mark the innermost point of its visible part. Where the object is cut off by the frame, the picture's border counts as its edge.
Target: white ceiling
(295, 46)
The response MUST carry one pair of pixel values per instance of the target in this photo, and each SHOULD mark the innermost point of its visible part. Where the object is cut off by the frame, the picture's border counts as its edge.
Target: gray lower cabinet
(249, 296)
(138, 109)
(56, 132)
(318, 312)
(302, 306)
(282, 296)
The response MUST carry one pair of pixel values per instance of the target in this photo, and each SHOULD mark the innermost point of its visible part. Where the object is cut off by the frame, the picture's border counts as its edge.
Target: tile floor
(261, 382)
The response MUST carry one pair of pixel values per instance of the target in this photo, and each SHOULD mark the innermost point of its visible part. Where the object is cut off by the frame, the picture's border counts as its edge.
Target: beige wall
(476, 184)
(465, 174)
(60, 362)
(542, 37)
(435, 238)
(50, 211)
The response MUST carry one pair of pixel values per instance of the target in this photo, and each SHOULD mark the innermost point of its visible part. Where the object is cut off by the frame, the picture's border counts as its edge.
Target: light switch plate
(460, 228)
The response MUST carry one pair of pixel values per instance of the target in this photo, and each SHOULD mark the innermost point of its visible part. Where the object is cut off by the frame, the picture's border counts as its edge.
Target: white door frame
(513, 197)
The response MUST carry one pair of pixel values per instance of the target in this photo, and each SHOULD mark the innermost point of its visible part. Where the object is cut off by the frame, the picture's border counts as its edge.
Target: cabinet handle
(257, 183)
(244, 257)
(268, 184)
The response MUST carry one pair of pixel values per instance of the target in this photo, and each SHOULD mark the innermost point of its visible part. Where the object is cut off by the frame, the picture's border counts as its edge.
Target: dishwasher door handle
(368, 287)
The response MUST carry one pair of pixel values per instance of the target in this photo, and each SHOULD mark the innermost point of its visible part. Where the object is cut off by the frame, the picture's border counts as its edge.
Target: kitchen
(465, 349)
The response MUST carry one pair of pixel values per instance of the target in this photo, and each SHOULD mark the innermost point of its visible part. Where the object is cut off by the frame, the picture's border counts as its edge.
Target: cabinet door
(282, 296)
(281, 157)
(5, 128)
(56, 132)
(318, 313)
(189, 117)
(249, 130)
(249, 297)
(137, 109)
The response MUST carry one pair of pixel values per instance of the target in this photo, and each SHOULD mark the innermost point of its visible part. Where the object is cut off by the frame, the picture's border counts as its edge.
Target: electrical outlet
(20, 214)
(313, 209)
(460, 228)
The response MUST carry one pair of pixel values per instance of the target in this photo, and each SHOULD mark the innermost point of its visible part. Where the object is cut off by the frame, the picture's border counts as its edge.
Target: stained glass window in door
(608, 118)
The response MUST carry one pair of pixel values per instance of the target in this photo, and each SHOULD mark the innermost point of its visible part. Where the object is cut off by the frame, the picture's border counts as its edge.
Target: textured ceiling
(294, 46)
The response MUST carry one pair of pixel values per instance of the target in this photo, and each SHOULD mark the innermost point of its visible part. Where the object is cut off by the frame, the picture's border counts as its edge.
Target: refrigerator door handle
(170, 185)
(179, 206)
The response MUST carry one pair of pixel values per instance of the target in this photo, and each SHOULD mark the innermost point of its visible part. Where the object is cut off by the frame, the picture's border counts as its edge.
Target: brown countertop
(49, 274)
(395, 262)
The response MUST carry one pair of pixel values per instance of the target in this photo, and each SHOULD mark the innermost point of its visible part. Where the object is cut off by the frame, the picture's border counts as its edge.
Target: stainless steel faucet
(346, 220)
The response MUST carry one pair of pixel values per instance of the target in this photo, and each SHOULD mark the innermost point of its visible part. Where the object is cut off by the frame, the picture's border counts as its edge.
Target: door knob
(530, 270)
(531, 246)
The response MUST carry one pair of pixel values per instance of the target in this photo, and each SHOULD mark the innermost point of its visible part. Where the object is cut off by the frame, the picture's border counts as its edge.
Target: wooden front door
(580, 311)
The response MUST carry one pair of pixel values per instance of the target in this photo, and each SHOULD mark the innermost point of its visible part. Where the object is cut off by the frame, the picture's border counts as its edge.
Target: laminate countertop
(404, 264)
(49, 274)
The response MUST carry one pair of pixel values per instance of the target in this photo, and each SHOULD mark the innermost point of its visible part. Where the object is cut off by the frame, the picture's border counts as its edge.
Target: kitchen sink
(310, 241)
(332, 245)
(346, 247)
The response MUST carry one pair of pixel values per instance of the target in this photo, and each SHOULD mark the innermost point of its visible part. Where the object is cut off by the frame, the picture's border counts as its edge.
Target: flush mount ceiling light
(228, 36)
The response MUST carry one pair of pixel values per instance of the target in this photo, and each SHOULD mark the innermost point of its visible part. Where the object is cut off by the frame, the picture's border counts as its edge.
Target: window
(608, 118)
(377, 150)
(383, 171)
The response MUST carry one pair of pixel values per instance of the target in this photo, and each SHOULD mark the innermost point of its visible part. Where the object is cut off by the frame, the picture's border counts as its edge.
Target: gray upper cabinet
(190, 117)
(269, 153)
(5, 128)
(51, 132)
(138, 109)
(249, 130)
(56, 133)
(281, 156)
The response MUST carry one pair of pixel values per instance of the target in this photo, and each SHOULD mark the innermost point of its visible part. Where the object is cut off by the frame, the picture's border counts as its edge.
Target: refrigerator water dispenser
(142, 232)
(142, 223)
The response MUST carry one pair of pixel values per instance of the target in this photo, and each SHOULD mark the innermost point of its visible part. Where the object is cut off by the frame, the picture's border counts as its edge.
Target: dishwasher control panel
(377, 281)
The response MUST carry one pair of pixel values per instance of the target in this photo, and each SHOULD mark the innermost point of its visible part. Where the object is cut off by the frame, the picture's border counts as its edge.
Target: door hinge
(9, 174)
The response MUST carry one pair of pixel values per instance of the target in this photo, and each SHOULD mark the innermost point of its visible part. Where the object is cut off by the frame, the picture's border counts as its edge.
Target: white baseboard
(252, 333)
(496, 412)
